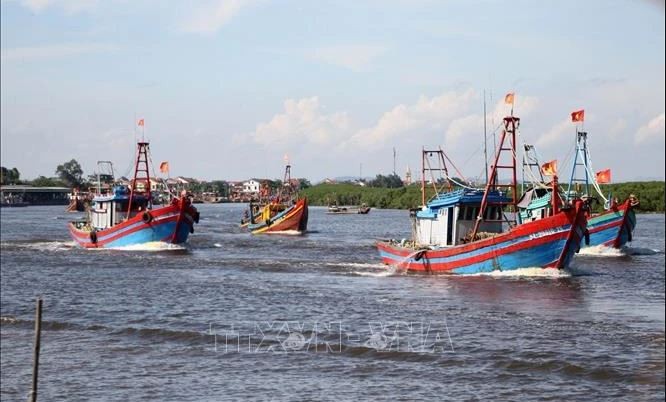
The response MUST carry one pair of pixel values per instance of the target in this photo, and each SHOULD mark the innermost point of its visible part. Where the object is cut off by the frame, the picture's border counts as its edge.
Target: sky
(229, 88)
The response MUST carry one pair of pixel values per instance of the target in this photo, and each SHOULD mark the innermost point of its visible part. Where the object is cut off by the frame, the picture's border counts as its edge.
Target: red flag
(509, 98)
(140, 122)
(164, 167)
(578, 115)
(603, 176)
(549, 168)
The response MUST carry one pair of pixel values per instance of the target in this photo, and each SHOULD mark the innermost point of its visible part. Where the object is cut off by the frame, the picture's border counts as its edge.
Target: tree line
(69, 174)
(650, 194)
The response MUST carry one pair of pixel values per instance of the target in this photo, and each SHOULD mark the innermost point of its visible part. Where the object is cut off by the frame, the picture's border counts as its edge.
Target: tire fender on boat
(146, 217)
(93, 237)
(419, 255)
(587, 237)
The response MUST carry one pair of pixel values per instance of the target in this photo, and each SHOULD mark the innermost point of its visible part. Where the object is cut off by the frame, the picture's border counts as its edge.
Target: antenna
(393, 160)
(485, 136)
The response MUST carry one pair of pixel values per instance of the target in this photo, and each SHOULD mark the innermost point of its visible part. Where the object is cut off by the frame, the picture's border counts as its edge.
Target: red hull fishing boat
(463, 231)
(126, 217)
(286, 213)
(613, 227)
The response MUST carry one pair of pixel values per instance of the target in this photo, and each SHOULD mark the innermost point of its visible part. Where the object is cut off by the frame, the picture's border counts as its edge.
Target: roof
(460, 197)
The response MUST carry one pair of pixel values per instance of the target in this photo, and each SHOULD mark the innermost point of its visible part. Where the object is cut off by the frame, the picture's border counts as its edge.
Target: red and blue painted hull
(546, 243)
(611, 228)
(171, 224)
(293, 220)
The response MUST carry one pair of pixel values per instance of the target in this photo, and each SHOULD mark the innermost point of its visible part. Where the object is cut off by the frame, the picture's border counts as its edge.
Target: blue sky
(227, 88)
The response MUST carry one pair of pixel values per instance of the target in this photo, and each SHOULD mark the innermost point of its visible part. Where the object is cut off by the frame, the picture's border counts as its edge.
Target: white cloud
(434, 113)
(353, 57)
(302, 122)
(213, 15)
(462, 128)
(53, 51)
(557, 135)
(654, 129)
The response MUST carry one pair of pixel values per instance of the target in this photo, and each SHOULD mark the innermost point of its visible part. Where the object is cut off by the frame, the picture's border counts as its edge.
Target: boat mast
(423, 176)
(581, 151)
(286, 181)
(511, 123)
(485, 136)
(530, 162)
(140, 166)
(441, 167)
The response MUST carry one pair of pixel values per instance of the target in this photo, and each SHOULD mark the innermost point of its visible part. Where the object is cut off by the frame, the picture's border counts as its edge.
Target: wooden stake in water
(35, 363)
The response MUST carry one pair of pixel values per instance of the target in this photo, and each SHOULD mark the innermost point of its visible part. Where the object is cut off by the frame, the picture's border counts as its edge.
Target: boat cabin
(112, 209)
(449, 218)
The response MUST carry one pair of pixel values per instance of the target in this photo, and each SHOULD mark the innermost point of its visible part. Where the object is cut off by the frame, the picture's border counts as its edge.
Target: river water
(237, 317)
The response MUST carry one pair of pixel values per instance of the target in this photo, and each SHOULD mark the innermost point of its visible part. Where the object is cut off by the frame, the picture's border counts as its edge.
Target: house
(251, 186)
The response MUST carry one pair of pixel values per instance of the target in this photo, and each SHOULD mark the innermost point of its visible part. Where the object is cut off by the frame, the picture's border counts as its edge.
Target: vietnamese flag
(578, 115)
(549, 168)
(140, 123)
(603, 176)
(509, 98)
(164, 167)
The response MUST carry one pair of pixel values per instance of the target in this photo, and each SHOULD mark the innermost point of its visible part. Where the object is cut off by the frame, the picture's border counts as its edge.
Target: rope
(593, 177)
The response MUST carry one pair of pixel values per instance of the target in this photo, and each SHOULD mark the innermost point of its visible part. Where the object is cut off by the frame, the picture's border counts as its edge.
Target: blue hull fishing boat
(613, 227)
(126, 216)
(468, 231)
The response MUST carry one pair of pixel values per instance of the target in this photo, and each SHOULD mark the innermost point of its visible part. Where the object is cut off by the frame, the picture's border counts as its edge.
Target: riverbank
(650, 194)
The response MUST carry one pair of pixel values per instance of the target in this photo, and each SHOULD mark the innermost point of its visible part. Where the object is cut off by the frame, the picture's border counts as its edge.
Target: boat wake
(602, 251)
(40, 245)
(286, 233)
(356, 265)
(641, 251)
(530, 272)
(387, 270)
(150, 246)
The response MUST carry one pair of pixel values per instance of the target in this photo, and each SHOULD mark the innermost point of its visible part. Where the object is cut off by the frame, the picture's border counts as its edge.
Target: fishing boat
(286, 213)
(336, 210)
(613, 227)
(125, 216)
(469, 230)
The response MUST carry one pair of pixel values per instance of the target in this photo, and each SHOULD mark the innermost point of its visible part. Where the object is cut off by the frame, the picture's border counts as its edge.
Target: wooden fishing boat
(286, 213)
(336, 210)
(126, 216)
(468, 231)
(613, 227)
(279, 218)
(252, 214)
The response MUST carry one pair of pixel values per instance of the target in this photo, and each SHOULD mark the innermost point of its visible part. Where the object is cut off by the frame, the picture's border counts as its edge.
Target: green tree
(304, 183)
(9, 176)
(70, 173)
(389, 181)
(42, 181)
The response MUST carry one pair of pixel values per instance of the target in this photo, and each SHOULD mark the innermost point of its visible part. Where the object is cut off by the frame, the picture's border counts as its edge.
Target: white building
(251, 186)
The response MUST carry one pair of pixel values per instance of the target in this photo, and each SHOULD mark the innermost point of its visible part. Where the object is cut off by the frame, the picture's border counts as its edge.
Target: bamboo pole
(35, 363)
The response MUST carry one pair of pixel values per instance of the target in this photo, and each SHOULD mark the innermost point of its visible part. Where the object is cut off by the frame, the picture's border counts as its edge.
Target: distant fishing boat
(336, 210)
(613, 227)
(78, 201)
(463, 231)
(126, 216)
(285, 214)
